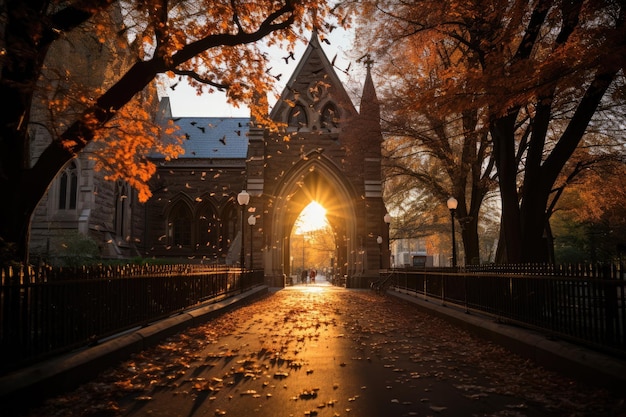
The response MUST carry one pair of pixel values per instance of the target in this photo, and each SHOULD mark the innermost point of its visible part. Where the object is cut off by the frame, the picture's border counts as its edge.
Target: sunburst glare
(313, 217)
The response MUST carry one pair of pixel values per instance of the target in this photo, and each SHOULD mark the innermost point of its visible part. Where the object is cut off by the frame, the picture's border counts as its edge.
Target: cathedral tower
(329, 153)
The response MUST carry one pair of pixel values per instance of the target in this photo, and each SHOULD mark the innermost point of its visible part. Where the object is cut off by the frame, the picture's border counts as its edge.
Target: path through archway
(314, 180)
(312, 245)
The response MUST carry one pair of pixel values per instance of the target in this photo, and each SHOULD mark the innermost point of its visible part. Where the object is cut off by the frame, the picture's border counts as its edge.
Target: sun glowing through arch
(313, 217)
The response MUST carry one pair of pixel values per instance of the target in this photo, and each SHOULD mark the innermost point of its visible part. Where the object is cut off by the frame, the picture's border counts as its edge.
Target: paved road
(318, 350)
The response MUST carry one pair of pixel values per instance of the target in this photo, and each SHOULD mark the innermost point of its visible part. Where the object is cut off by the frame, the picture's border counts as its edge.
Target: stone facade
(333, 156)
(80, 203)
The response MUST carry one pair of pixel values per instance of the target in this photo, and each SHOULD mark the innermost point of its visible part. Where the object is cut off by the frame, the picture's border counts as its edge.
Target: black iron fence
(585, 304)
(47, 311)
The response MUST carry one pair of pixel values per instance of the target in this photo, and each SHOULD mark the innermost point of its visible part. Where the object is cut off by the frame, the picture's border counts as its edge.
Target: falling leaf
(143, 398)
(438, 409)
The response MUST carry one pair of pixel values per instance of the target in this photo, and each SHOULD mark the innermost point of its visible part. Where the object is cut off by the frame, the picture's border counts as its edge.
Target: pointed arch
(298, 117)
(68, 187)
(329, 116)
(207, 227)
(315, 178)
(179, 223)
(229, 215)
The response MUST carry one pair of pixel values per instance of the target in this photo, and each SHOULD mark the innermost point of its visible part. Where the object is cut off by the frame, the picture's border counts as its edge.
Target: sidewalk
(574, 361)
(56, 375)
(327, 350)
(60, 374)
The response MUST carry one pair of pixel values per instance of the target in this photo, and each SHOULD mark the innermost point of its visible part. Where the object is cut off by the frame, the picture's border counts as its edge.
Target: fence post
(610, 302)
(465, 287)
(444, 279)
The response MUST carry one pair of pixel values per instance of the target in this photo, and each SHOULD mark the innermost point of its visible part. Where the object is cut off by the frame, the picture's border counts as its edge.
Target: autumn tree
(441, 158)
(443, 151)
(589, 220)
(417, 215)
(213, 44)
(540, 73)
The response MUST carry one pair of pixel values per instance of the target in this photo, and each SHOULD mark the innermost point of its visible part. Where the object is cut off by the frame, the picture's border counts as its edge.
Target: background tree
(568, 47)
(589, 221)
(211, 43)
(444, 161)
(445, 151)
(539, 74)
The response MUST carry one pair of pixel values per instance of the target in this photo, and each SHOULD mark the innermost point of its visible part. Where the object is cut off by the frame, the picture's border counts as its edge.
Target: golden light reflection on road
(319, 350)
(313, 289)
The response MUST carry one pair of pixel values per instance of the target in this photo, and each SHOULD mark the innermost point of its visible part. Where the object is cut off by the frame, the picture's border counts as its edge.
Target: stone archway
(314, 179)
(332, 156)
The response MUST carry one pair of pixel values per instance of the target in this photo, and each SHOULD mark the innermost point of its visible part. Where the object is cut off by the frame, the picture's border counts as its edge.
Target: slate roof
(213, 137)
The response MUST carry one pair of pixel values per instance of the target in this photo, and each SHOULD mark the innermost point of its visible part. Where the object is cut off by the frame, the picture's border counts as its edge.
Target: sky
(186, 103)
(312, 217)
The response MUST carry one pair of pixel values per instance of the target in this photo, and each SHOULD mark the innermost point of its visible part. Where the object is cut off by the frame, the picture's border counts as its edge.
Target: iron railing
(48, 311)
(582, 304)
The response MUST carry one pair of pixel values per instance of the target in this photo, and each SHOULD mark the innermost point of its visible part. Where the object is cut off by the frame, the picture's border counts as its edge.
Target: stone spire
(370, 106)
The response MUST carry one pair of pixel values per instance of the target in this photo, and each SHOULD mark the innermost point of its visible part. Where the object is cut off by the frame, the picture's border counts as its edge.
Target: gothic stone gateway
(332, 156)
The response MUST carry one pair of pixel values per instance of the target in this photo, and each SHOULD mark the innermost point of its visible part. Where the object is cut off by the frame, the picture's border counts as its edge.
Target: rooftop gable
(314, 79)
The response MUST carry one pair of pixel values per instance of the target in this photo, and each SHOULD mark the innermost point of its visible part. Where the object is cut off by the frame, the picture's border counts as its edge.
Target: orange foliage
(87, 61)
(127, 142)
(234, 65)
(528, 76)
(588, 205)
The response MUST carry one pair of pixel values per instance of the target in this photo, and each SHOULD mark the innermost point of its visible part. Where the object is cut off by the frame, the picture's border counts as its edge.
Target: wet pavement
(318, 350)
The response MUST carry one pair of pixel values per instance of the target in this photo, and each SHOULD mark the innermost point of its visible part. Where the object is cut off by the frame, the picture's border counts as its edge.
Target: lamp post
(387, 220)
(452, 204)
(379, 240)
(243, 198)
(251, 222)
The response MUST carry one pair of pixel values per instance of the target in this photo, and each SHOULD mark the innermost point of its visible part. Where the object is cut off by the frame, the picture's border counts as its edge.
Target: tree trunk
(502, 131)
(469, 234)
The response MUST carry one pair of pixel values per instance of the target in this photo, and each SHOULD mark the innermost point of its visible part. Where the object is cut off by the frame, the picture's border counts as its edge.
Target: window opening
(122, 210)
(329, 117)
(68, 188)
(180, 225)
(298, 117)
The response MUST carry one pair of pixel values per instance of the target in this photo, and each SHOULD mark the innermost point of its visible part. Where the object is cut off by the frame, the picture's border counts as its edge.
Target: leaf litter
(241, 356)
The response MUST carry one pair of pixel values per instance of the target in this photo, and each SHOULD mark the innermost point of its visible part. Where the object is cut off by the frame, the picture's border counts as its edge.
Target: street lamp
(387, 220)
(243, 198)
(379, 240)
(251, 222)
(452, 204)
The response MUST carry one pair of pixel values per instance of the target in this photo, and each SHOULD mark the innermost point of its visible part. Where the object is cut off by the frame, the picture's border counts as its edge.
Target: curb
(24, 388)
(576, 362)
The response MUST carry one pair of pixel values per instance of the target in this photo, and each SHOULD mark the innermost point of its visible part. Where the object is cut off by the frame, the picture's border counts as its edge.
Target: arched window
(179, 223)
(208, 229)
(68, 187)
(329, 118)
(297, 117)
(230, 226)
(122, 210)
